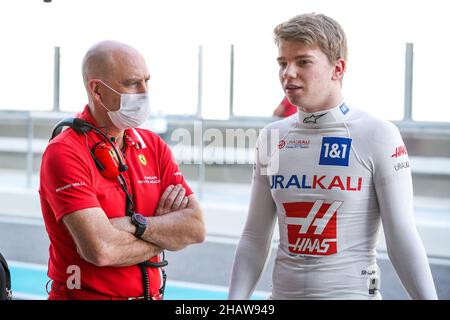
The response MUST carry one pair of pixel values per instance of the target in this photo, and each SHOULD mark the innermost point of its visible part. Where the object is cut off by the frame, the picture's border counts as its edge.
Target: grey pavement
(207, 263)
(23, 236)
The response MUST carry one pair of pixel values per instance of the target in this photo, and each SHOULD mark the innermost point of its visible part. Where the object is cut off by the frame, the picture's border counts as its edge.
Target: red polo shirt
(70, 181)
(289, 108)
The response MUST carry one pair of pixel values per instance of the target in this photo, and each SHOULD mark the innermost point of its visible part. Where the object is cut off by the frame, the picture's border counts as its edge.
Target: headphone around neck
(106, 156)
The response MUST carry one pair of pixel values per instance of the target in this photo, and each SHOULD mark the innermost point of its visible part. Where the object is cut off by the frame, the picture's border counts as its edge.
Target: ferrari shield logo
(142, 159)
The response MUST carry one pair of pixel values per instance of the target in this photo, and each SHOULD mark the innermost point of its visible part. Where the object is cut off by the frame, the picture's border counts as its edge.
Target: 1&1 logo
(335, 151)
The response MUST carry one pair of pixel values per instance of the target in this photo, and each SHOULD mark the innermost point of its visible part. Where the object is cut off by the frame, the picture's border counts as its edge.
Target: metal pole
(409, 55)
(29, 150)
(231, 82)
(200, 82)
(199, 140)
(56, 76)
(202, 166)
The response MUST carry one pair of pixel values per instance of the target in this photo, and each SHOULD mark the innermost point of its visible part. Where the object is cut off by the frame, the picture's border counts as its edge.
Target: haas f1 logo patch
(311, 227)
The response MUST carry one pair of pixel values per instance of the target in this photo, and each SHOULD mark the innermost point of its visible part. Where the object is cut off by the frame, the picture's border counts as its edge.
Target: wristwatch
(140, 222)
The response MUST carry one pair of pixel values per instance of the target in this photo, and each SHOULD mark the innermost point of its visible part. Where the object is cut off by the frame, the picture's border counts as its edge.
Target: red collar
(86, 116)
(131, 137)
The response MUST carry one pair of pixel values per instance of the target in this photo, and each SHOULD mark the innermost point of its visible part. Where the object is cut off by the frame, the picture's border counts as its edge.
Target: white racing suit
(330, 178)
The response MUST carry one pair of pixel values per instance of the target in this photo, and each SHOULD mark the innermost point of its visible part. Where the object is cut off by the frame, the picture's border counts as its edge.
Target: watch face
(140, 219)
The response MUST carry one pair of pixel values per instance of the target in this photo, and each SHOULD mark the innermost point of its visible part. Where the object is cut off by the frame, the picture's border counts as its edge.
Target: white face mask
(134, 110)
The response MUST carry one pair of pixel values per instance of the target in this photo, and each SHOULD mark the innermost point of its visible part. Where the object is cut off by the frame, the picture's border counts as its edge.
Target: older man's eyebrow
(132, 80)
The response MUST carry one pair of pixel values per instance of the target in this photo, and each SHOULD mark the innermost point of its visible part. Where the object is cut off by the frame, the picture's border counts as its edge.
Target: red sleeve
(170, 172)
(288, 108)
(66, 180)
(285, 102)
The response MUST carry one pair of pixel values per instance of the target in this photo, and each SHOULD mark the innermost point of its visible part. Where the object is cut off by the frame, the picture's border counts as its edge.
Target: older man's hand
(172, 199)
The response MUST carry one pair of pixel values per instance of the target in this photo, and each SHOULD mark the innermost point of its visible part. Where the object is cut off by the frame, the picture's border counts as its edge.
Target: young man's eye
(282, 64)
(304, 62)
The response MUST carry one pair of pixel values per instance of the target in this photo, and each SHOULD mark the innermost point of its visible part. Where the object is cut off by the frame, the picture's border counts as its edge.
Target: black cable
(129, 199)
(164, 275)
(145, 281)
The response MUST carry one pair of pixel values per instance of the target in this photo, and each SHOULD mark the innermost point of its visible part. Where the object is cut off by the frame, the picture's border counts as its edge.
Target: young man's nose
(290, 72)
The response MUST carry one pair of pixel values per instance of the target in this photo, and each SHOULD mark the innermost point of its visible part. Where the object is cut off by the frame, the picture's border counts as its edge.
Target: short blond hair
(315, 30)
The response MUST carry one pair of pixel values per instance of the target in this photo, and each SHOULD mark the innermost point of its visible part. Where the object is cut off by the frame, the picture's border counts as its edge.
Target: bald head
(111, 69)
(104, 59)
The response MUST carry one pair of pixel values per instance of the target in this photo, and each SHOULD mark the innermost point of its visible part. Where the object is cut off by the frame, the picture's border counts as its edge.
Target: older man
(109, 228)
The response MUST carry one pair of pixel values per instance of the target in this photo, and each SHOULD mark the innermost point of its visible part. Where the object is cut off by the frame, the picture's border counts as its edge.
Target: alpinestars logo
(311, 227)
(313, 118)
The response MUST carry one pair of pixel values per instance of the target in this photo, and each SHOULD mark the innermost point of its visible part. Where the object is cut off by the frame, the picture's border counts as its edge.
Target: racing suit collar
(336, 114)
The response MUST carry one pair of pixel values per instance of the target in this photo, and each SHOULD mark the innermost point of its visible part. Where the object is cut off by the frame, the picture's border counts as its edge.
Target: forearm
(254, 246)
(126, 250)
(175, 230)
(250, 260)
(100, 243)
(118, 249)
(410, 261)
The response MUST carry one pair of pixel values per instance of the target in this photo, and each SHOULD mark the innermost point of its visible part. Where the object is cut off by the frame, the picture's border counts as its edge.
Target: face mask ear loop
(109, 87)
(101, 102)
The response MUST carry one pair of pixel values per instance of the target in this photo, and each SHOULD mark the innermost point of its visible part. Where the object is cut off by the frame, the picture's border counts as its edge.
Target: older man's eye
(130, 83)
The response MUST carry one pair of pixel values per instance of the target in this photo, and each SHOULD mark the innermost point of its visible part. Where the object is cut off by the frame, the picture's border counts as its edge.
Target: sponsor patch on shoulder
(399, 151)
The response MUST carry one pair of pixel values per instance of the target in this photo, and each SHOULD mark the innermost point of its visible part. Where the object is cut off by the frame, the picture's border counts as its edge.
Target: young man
(92, 229)
(330, 174)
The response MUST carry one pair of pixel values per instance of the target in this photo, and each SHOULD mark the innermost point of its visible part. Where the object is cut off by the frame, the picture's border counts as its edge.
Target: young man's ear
(339, 69)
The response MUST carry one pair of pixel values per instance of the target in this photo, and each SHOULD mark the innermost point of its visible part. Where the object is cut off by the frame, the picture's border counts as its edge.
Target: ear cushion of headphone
(105, 155)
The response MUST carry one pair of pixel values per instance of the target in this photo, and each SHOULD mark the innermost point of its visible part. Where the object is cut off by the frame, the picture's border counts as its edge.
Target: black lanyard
(129, 205)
